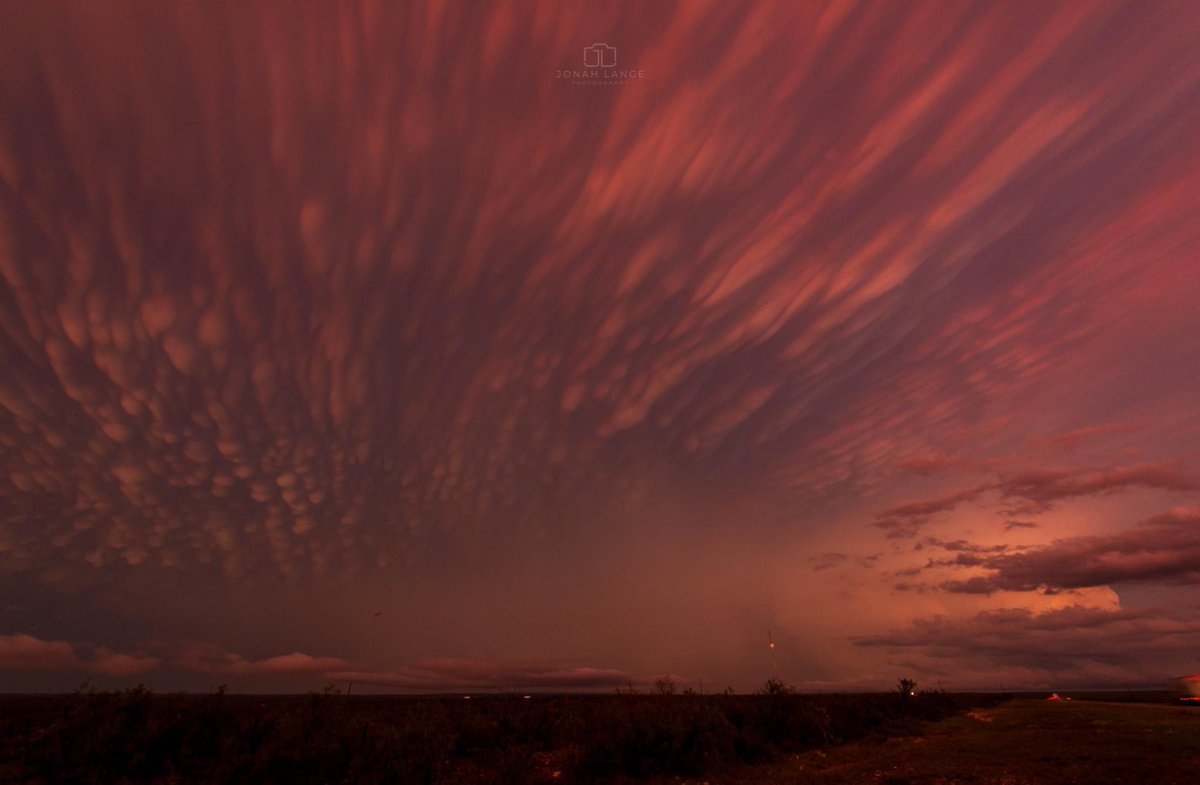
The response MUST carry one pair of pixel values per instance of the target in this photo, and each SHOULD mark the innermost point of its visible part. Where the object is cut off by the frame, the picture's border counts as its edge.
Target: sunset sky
(391, 343)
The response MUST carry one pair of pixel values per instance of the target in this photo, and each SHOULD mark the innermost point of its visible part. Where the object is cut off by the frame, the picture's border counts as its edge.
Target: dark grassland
(1022, 742)
(133, 736)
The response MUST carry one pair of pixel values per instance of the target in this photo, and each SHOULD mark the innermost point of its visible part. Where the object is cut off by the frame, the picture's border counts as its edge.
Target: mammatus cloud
(290, 296)
(296, 301)
(1073, 646)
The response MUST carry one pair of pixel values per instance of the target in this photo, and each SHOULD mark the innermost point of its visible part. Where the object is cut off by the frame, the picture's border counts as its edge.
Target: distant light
(466, 697)
(527, 697)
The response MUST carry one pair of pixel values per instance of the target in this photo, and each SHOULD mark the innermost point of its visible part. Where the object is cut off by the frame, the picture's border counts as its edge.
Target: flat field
(1021, 742)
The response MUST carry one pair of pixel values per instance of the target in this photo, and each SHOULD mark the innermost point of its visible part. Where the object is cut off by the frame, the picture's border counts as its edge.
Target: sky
(514, 346)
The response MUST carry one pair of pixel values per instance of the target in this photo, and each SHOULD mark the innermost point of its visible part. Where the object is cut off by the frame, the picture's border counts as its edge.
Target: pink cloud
(27, 653)
(907, 519)
(284, 664)
(111, 663)
(1073, 439)
(212, 658)
(1037, 491)
(1165, 548)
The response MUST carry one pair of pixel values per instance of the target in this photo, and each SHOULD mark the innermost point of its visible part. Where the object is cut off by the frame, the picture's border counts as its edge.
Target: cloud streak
(1030, 492)
(1165, 548)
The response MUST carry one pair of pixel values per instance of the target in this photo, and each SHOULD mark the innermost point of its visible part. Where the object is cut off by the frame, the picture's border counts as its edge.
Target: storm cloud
(309, 310)
(1165, 548)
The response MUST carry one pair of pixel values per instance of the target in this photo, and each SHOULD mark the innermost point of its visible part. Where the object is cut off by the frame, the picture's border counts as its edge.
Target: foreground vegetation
(133, 736)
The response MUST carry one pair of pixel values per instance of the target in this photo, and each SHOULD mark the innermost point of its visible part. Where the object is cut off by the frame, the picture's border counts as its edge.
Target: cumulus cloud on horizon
(26, 653)
(21, 652)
